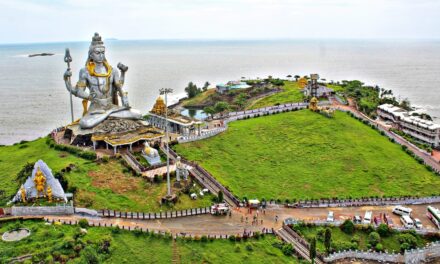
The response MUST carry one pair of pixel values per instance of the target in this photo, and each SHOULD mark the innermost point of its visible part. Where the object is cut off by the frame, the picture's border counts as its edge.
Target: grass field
(291, 93)
(341, 240)
(131, 247)
(100, 186)
(306, 155)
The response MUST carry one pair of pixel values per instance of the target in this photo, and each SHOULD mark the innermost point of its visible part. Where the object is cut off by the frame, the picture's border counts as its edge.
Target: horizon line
(228, 40)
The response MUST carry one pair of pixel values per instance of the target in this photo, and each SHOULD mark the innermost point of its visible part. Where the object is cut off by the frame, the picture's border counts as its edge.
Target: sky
(25, 21)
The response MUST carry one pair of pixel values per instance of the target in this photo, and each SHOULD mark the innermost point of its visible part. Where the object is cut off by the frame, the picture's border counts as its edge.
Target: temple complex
(177, 123)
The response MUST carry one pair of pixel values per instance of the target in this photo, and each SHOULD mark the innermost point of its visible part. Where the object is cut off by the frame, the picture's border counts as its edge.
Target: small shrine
(181, 172)
(177, 123)
(150, 154)
(327, 111)
(40, 185)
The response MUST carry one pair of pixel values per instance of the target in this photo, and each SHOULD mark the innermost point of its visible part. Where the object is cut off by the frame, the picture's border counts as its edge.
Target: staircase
(300, 247)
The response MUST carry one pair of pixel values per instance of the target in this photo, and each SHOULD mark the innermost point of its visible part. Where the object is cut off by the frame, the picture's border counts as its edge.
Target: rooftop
(407, 117)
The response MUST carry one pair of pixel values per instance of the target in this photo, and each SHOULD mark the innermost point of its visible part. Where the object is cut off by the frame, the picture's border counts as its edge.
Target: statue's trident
(68, 60)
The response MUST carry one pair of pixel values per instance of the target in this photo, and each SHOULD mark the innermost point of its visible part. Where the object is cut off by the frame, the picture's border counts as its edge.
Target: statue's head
(97, 49)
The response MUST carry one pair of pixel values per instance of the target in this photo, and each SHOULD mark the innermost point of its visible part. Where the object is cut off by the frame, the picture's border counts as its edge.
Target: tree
(221, 107)
(383, 230)
(220, 197)
(312, 250)
(373, 238)
(209, 110)
(327, 239)
(347, 227)
(240, 100)
(205, 86)
(405, 104)
(296, 77)
(192, 90)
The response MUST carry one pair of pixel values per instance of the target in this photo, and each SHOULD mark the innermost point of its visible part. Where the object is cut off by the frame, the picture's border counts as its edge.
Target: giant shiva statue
(104, 88)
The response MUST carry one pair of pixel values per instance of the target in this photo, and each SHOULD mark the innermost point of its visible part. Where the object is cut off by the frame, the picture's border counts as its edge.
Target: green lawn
(99, 186)
(130, 247)
(291, 93)
(342, 241)
(306, 155)
(13, 158)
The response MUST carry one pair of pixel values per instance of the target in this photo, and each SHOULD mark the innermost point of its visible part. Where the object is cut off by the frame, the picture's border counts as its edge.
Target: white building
(421, 129)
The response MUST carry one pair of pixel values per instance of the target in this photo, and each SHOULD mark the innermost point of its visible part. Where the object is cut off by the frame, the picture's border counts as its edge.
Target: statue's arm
(119, 83)
(80, 88)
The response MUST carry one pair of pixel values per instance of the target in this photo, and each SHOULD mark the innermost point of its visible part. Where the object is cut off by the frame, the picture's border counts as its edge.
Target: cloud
(47, 20)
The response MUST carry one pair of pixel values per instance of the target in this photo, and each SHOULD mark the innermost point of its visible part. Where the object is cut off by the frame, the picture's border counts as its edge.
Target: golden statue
(314, 104)
(40, 182)
(159, 107)
(49, 194)
(23, 194)
(302, 82)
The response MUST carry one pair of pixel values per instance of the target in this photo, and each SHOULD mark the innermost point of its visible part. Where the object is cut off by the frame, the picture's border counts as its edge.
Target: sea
(34, 100)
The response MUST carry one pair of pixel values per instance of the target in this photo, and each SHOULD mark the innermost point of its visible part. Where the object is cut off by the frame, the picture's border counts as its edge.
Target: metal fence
(157, 215)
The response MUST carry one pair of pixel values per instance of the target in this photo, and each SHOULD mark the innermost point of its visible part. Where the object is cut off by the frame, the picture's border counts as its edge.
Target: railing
(157, 215)
(225, 191)
(322, 203)
(203, 135)
(419, 255)
(103, 223)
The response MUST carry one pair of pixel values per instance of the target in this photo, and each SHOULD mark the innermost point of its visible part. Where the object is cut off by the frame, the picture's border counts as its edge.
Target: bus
(434, 215)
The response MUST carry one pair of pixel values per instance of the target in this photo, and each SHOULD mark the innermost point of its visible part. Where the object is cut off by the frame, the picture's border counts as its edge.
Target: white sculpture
(150, 154)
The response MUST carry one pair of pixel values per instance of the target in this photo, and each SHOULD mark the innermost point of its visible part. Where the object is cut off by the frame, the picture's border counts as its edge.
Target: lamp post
(166, 91)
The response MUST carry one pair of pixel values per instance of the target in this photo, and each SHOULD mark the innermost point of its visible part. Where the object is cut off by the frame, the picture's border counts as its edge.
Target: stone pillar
(94, 145)
(106, 145)
(115, 150)
(131, 146)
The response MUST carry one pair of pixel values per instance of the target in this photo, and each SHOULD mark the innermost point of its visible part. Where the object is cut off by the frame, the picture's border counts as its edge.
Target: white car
(418, 223)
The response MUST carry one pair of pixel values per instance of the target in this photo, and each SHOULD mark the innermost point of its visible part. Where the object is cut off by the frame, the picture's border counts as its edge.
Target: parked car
(367, 218)
(388, 220)
(418, 223)
(330, 216)
(357, 219)
(400, 210)
(407, 222)
(377, 220)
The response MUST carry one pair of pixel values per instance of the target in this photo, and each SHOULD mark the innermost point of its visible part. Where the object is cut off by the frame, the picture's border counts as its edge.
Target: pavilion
(177, 123)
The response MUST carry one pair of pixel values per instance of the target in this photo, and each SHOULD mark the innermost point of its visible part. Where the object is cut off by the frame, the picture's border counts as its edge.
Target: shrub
(204, 239)
(383, 230)
(231, 238)
(89, 255)
(287, 249)
(348, 227)
(379, 247)
(409, 239)
(249, 247)
(83, 223)
(373, 238)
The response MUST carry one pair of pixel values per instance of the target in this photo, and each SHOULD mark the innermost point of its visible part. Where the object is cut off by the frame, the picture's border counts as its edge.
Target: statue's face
(98, 55)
